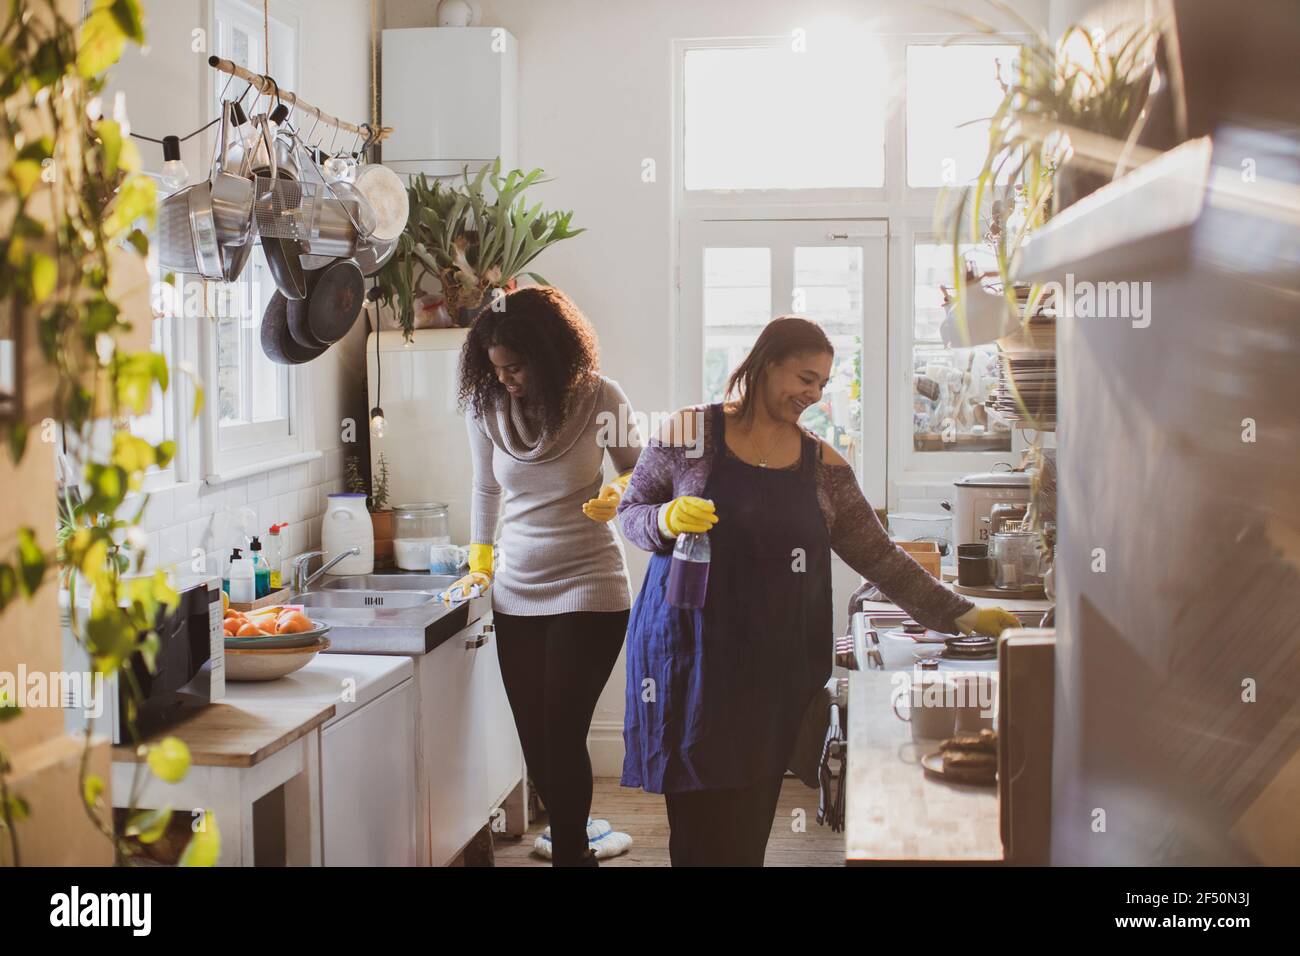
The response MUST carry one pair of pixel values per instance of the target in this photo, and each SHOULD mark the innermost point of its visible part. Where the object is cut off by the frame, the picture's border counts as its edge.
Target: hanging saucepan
(282, 254)
(232, 205)
(187, 234)
(277, 344)
(370, 257)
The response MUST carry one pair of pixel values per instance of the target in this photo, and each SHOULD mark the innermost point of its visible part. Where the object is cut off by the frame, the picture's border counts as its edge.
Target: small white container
(346, 525)
(242, 583)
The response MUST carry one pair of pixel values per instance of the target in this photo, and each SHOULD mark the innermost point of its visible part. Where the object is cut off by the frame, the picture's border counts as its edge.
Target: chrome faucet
(302, 580)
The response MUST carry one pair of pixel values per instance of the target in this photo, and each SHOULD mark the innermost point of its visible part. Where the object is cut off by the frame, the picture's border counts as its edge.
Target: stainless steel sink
(388, 582)
(388, 613)
(350, 598)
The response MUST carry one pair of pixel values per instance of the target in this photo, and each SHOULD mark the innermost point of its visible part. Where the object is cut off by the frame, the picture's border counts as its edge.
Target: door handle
(479, 639)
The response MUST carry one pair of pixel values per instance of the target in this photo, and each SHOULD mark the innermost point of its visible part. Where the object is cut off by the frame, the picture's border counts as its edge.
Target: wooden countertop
(894, 812)
(239, 735)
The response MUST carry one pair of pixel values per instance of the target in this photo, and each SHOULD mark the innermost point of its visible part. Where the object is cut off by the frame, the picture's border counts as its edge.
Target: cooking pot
(975, 497)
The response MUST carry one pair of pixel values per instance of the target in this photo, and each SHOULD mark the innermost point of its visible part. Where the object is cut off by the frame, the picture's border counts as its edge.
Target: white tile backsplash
(278, 481)
(206, 517)
(185, 502)
(156, 511)
(309, 501)
(258, 488)
(211, 499)
(236, 493)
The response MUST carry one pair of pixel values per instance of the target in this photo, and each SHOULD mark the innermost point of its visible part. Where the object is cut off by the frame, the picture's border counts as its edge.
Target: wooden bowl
(270, 663)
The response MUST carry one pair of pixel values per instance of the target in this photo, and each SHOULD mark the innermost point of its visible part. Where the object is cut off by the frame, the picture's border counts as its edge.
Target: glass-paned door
(736, 276)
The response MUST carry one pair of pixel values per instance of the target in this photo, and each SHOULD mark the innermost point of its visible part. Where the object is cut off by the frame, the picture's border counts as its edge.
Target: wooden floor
(642, 816)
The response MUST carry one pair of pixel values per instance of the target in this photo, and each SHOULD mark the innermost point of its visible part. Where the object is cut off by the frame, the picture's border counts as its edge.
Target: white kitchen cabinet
(369, 787)
(449, 95)
(469, 748)
(368, 783)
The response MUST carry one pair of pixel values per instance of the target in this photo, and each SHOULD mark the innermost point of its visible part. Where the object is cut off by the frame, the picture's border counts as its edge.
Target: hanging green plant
(71, 196)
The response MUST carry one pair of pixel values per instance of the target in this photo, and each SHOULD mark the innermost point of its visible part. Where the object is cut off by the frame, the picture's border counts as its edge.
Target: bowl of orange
(269, 643)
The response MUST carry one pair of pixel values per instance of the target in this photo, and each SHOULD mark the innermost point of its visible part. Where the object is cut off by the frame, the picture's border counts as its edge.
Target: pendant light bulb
(174, 173)
(378, 423)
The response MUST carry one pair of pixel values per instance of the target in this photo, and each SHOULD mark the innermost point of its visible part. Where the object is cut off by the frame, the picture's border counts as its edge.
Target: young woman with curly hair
(541, 418)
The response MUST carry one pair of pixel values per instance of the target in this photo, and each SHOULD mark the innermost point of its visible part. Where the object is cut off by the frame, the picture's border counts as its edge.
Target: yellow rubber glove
(480, 573)
(689, 515)
(990, 621)
(602, 507)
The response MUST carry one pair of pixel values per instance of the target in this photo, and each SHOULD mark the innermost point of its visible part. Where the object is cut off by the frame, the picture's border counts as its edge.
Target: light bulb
(378, 423)
(174, 173)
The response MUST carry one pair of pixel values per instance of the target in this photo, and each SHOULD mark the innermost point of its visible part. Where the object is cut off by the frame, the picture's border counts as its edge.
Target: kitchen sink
(351, 598)
(388, 613)
(388, 582)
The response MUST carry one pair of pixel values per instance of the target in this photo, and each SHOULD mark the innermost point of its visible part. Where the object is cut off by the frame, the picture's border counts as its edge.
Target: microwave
(188, 674)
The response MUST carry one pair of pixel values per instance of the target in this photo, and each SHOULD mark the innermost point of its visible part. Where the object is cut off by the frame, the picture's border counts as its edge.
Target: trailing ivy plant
(71, 195)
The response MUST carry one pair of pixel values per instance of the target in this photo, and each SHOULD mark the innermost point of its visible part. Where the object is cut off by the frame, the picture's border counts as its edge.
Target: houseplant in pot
(381, 515)
(465, 241)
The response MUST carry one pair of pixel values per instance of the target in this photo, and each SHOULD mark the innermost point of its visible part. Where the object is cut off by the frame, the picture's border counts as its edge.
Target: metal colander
(176, 235)
(284, 208)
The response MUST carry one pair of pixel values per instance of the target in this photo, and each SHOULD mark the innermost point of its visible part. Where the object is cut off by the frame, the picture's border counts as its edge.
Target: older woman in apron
(715, 696)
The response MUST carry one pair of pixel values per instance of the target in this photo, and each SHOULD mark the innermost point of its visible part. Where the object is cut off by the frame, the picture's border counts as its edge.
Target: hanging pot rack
(266, 85)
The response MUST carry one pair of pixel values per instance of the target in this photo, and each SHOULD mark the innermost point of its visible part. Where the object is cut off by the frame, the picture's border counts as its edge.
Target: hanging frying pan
(277, 344)
(337, 294)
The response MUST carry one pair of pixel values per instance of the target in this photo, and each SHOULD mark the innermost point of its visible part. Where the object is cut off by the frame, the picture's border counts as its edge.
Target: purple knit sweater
(667, 471)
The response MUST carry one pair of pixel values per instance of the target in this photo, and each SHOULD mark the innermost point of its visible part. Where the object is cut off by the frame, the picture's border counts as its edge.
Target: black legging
(554, 667)
(722, 827)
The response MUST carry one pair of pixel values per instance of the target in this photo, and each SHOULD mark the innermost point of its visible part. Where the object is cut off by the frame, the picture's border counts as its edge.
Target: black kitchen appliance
(189, 669)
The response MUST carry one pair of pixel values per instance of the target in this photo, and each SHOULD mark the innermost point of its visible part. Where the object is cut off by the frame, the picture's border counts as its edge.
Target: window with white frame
(158, 424)
(755, 147)
(952, 91)
(771, 116)
(950, 385)
(252, 403)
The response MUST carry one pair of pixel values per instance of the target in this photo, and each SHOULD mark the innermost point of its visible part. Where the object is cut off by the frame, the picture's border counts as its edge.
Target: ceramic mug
(975, 700)
(447, 558)
(931, 708)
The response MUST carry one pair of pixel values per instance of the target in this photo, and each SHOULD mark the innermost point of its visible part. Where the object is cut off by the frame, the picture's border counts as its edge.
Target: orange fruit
(295, 622)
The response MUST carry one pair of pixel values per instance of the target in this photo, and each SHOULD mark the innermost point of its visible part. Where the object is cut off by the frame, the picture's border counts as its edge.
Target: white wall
(595, 91)
(168, 89)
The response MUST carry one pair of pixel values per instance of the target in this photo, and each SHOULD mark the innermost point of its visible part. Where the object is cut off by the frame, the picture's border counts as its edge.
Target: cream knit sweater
(528, 495)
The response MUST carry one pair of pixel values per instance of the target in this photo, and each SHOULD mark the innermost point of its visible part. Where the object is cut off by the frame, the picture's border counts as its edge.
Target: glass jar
(1016, 561)
(426, 520)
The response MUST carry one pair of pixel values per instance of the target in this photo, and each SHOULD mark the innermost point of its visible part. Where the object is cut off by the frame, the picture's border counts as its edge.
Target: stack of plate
(1026, 389)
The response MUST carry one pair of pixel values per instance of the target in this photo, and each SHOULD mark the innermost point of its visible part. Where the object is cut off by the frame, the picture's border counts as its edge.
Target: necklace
(764, 453)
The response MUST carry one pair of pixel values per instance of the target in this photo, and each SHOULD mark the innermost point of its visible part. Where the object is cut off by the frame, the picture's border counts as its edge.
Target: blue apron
(715, 696)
